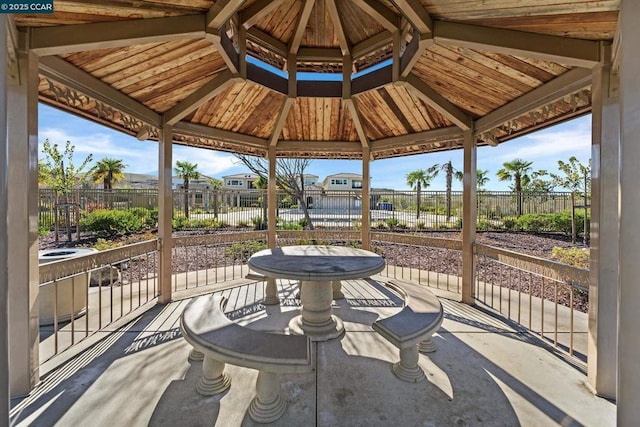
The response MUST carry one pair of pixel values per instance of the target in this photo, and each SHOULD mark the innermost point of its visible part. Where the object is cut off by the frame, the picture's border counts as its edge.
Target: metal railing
(548, 298)
(213, 258)
(82, 295)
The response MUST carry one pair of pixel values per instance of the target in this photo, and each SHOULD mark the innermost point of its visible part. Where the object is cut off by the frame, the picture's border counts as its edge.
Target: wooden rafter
(65, 39)
(266, 41)
(319, 147)
(200, 131)
(225, 48)
(437, 101)
(371, 44)
(385, 16)
(448, 133)
(222, 11)
(257, 10)
(567, 83)
(413, 52)
(336, 18)
(61, 71)
(563, 50)
(415, 13)
(216, 85)
(301, 24)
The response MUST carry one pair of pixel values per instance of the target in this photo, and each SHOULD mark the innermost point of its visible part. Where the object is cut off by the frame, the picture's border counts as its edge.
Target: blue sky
(544, 148)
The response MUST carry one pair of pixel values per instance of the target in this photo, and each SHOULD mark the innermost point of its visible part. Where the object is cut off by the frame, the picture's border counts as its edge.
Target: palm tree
(517, 170)
(482, 177)
(187, 171)
(215, 184)
(450, 171)
(108, 171)
(418, 179)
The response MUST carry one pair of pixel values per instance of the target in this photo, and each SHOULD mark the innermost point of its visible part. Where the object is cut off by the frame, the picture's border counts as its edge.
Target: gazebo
(356, 79)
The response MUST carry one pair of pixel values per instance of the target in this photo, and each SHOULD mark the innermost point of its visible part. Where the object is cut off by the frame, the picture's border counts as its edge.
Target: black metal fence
(389, 210)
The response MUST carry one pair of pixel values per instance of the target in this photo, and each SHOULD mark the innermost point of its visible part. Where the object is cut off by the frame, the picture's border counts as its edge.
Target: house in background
(239, 181)
(343, 181)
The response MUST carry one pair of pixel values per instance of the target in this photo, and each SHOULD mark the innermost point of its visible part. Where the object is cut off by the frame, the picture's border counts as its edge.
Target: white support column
(22, 216)
(272, 202)
(603, 288)
(469, 215)
(366, 199)
(629, 288)
(4, 255)
(165, 211)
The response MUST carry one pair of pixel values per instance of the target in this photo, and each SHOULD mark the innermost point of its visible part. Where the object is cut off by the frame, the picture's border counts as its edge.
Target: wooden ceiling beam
(565, 84)
(321, 147)
(415, 13)
(196, 130)
(225, 48)
(383, 15)
(64, 39)
(371, 44)
(437, 101)
(282, 119)
(562, 50)
(413, 52)
(319, 54)
(59, 70)
(222, 11)
(301, 25)
(442, 134)
(257, 10)
(268, 42)
(213, 87)
(338, 25)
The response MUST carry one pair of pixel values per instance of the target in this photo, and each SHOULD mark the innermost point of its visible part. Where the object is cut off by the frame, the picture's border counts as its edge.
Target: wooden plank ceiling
(399, 77)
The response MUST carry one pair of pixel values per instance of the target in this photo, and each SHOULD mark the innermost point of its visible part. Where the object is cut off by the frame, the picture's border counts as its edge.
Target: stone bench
(411, 329)
(218, 341)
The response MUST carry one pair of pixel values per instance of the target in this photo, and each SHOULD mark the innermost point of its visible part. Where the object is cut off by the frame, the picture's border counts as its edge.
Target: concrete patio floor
(486, 371)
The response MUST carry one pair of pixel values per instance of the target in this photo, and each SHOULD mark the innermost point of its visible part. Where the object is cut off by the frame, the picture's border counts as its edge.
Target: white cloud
(210, 163)
(100, 144)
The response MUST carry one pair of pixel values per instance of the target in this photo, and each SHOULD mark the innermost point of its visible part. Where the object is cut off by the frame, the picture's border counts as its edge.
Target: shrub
(421, 225)
(259, 223)
(243, 250)
(510, 224)
(149, 217)
(572, 256)
(290, 225)
(535, 223)
(391, 223)
(111, 222)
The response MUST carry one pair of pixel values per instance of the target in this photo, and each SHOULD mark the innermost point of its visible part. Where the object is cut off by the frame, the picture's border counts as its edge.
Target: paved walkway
(485, 372)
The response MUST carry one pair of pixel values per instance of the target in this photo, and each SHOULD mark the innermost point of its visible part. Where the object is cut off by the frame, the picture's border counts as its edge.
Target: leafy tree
(577, 179)
(421, 178)
(61, 177)
(537, 184)
(517, 171)
(187, 171)
(58, 171)
(289, 178)
(108, 171)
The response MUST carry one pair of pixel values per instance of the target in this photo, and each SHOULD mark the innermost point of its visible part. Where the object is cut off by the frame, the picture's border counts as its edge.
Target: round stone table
(316, 267)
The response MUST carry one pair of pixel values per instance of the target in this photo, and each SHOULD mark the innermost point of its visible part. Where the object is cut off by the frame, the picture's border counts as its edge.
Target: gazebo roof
(401, 77)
